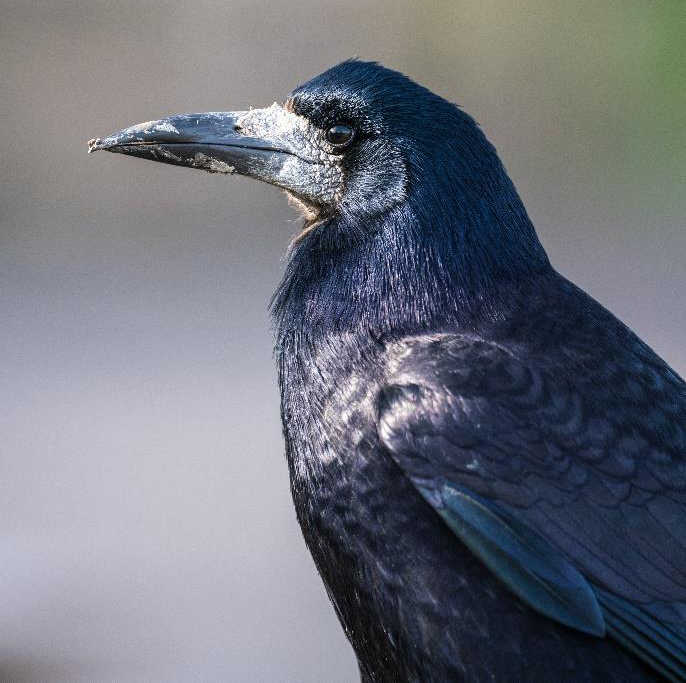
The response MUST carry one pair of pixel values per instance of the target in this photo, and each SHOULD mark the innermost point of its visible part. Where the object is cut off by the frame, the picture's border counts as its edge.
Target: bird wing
(571, 487)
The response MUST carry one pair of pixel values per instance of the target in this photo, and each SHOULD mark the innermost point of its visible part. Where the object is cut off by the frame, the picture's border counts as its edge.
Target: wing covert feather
(593, 463)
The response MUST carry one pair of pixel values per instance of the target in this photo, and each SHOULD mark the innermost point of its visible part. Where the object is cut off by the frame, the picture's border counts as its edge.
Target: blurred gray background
(146, 527)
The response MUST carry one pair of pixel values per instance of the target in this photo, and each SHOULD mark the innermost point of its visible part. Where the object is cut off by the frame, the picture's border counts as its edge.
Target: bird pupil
(339, 134)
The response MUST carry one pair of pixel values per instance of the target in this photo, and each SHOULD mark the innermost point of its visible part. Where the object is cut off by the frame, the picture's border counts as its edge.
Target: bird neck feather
(448, 254)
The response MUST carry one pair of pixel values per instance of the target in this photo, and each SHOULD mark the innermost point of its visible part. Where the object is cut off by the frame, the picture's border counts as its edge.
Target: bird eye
(340, 134)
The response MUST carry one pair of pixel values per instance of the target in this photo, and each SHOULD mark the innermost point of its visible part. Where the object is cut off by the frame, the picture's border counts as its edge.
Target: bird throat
(311, 215)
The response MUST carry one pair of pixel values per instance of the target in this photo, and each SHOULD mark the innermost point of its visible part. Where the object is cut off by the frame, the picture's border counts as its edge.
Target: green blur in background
(147, 528)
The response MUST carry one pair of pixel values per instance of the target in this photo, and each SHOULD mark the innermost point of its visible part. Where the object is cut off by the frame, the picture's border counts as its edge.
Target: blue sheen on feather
(663, 644)
(520, 558)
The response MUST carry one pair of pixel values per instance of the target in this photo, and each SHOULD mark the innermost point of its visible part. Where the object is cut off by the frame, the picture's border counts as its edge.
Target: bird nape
(488, 467)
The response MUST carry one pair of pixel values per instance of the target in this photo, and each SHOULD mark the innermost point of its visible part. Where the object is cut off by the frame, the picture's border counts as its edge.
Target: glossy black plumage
(441, 347)
(489, 468)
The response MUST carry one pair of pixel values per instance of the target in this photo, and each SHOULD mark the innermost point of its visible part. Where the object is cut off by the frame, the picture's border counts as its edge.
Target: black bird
(488, 467)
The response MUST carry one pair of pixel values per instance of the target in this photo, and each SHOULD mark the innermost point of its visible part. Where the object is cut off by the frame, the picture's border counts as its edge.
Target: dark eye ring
(340, 134)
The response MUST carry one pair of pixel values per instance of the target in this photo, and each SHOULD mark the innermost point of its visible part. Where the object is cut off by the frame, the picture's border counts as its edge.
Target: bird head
(348, 143)
(380, 166)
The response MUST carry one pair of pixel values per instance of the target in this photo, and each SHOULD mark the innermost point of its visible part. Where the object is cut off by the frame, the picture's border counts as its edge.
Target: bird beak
(272, 144)
(212, 141)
